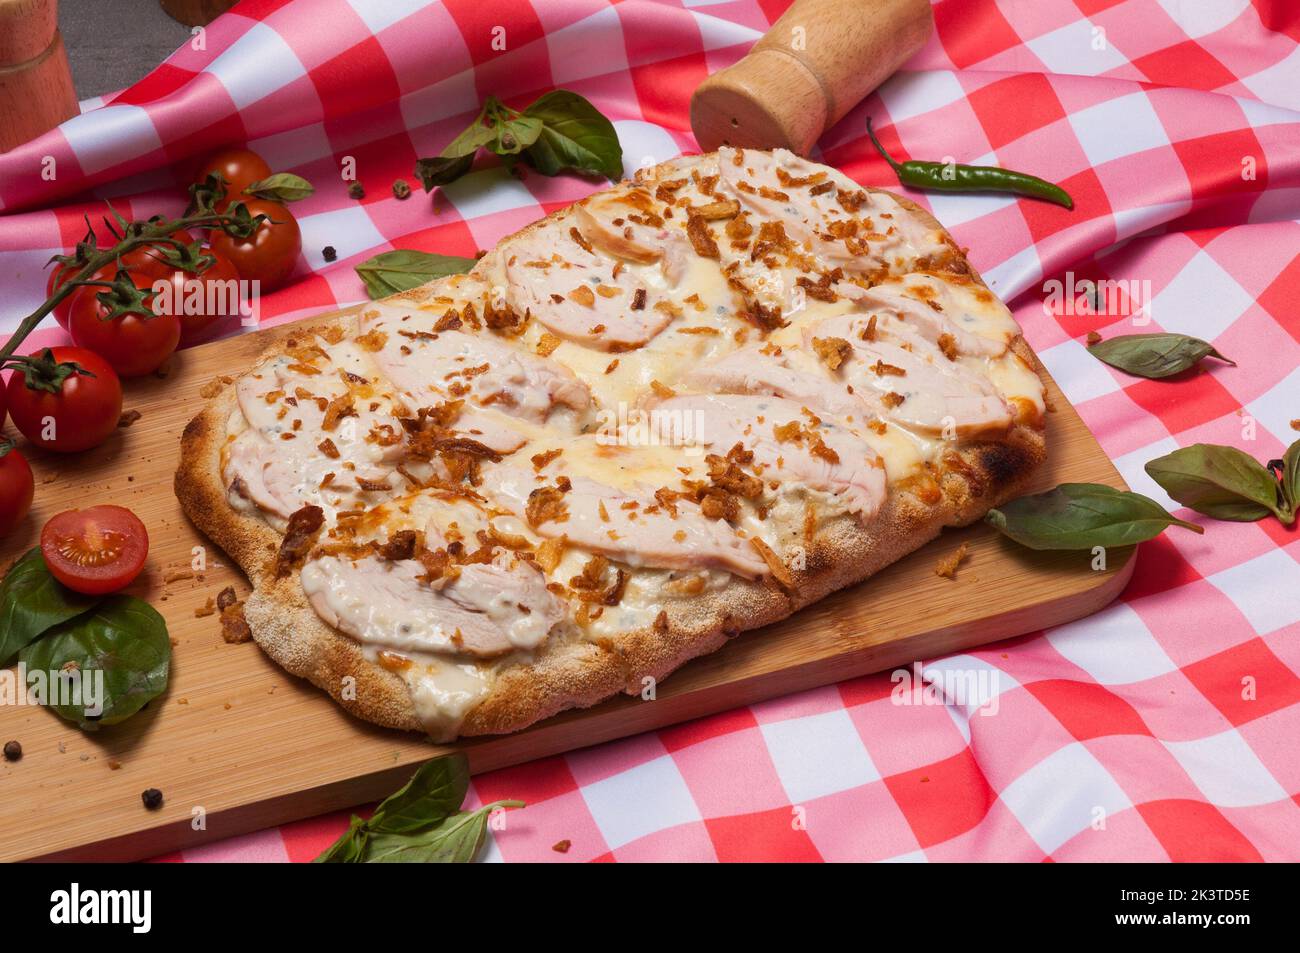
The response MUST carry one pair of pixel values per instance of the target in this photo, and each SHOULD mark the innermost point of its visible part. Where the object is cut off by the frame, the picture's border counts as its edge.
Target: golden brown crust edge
(578, 675)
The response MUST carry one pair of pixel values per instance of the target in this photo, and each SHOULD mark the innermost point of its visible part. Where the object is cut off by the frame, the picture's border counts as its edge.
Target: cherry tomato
(145, 260)
(81, 415)
(58, 274)
(132, 344)
(270, 253)
(96, 550)
(149, 260)
(207, 301)
(16, 487)
(240, 167)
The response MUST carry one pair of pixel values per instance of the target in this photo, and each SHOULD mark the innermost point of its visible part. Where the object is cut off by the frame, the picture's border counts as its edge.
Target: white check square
(1123, 126)
(1114, 646)
(1266, 590)
(818, 755)
(639, 801)
(1080, 375)
(1226, 770)
(256, 65)
(1063, 795)
(1202, 300)
(105, 137)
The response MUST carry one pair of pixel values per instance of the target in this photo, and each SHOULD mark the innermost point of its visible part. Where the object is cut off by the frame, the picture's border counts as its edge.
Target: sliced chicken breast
(919, 386)
(921, 306)
(616, 523)
(486, 611)
(757, 369)
(293, 444)
(790, 444)
(859, 232)
(581, 294)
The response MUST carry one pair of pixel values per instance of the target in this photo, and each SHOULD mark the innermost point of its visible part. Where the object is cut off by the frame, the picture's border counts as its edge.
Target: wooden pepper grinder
(818, 61)
(196, 12)
(36, 92)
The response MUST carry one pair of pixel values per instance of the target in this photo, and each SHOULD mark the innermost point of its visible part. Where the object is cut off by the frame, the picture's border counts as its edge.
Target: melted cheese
(806, 268)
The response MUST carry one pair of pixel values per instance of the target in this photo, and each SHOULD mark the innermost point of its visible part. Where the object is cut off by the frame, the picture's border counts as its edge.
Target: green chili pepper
(950, 177)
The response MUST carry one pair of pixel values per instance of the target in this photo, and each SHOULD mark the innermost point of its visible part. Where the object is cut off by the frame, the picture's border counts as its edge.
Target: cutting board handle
(36, 92)
(818, 61)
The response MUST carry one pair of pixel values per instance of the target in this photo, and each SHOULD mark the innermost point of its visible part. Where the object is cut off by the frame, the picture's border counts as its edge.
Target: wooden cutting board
(236, 744)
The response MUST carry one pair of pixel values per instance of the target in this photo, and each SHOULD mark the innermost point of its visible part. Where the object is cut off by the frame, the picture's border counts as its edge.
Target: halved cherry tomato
(240, 168)
(133, 344)
(96, 550)
(81, 413)
(270, 253)
(16, 487)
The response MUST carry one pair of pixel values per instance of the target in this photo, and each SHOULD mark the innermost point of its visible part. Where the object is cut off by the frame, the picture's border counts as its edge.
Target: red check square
(944, 799)
(1245, 682)
(972, 30)
(1014, 107)
(1087, 710)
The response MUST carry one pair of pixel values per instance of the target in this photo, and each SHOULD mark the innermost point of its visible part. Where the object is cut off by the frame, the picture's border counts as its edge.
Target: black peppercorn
(152, 798)
(13, 751)
(401, 189)
(356, 191)
(328, 253)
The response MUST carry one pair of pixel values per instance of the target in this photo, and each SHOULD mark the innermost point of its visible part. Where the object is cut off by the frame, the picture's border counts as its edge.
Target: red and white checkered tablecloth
(1167, 726)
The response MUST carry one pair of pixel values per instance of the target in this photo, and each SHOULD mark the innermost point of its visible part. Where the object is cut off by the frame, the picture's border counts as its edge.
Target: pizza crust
(569, 674)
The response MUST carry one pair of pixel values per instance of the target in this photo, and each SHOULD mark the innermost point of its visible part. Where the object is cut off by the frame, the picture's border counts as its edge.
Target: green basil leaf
(515, 135)
(1222, 482)
(421, 823)
(349, 847)
(574, 136)
(1154, 355)
(458, 157)
(442, 170)
(468, 142)
(436, 791)
(125, 639)
(32, 602)
(453, 840)
(1081, 516)
(281, 187)
(1291, 479)
(400, 270)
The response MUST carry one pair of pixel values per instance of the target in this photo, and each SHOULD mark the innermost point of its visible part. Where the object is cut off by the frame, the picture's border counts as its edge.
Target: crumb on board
(234, 628)
(213, 387)
(208, 608)
(947, 566)
(128, 418)
(176, 575)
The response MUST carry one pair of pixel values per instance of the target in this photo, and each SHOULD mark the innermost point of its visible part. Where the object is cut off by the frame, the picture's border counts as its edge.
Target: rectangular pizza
(680, 409)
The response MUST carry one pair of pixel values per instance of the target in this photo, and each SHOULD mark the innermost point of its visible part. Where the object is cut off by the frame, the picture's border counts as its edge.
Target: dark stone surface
(113, 43)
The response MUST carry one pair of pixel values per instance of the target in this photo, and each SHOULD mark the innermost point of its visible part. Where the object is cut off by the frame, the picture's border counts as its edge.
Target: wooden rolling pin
(818, 61)
(36, 92)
